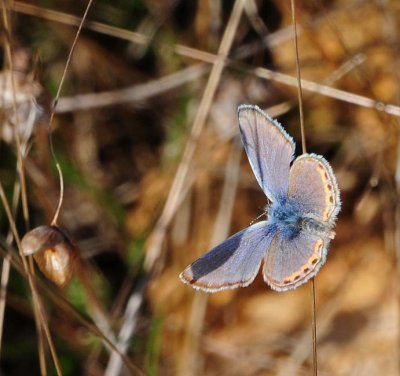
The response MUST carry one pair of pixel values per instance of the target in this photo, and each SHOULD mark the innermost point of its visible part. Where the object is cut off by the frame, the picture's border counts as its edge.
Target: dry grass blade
(268, 74)
(130, 319)
(5, 273)
(66, 307)
(64, 18)
(175, 195)
(304, 150)
(330, 92)
(20, 165)
(190, 360)
(397, 234)
(132, 94)
(41, 317)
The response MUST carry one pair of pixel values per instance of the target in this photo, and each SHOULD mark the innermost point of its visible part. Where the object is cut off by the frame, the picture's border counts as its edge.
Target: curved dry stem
(35, 296)
(24, 198)
(60, 200)
(71, 51)
(157, 237)
(5, 273)
(136, 93)
(195, 324)
(4, 284)
(20, 164)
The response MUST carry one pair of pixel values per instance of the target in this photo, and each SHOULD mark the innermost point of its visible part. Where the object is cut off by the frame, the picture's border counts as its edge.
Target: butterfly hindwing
(290, 262)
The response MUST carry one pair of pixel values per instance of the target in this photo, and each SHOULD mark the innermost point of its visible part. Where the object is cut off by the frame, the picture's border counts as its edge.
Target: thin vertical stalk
(178, 185)
(304, 148)
(397, 244)
(38, 308)
(22, 184)
(16, 124)
(190, 360)
(298, 76)
(57, 97)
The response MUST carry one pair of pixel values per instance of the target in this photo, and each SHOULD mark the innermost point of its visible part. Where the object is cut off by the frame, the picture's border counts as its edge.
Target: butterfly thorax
(290, 220)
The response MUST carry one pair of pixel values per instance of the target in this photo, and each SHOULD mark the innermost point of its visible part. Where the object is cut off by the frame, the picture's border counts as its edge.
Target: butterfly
(292, 243)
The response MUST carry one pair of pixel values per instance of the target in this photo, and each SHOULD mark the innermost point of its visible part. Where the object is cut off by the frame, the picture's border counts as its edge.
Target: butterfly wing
(312, 185)
(233, 263)
(290, 262)
(293, 260)
(269, 149)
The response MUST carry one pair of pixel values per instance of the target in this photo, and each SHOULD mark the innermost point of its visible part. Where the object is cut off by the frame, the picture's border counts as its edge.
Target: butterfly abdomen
(316, 227)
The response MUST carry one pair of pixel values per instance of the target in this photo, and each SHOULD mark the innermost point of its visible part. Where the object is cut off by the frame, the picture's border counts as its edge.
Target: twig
(298, 77)
(273, 40)
(304, 148)
(128, 326)
(35, 296)
(189, 364)
(57, 97)
(331, 92)
(16, 124)
(61, 197)
(397, 242)
(157, 236)
(24, 199)
(5, 273)
(135, 93)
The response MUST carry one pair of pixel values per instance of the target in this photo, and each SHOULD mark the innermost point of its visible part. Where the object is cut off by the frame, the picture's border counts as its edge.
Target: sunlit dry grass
(146, 136)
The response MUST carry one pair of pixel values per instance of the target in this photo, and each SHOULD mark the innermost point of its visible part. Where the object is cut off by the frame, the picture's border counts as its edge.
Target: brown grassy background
(123, 122)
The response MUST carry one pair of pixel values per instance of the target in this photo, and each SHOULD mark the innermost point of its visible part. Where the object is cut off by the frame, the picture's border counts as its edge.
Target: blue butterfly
(292, 243)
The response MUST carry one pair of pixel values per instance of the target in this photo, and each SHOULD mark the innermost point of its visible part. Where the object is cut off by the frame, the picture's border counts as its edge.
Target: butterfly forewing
(233, 263)
(313, 186)
(269, 149)
(290, 262)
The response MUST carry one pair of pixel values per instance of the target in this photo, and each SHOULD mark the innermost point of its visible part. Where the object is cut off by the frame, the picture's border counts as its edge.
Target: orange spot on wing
(305, 269)
(329, 194)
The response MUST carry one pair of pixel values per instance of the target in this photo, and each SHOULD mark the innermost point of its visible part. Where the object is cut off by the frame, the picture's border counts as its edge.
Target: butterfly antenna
(258, 217)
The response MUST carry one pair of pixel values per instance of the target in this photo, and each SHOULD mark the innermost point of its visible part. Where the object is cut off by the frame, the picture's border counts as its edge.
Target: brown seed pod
(53, 252)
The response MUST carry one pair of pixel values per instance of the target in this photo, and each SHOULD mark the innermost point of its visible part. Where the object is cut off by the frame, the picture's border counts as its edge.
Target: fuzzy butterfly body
(292, 244)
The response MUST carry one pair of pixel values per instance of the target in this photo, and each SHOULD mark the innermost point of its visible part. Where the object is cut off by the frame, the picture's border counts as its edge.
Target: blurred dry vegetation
(130, 116)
